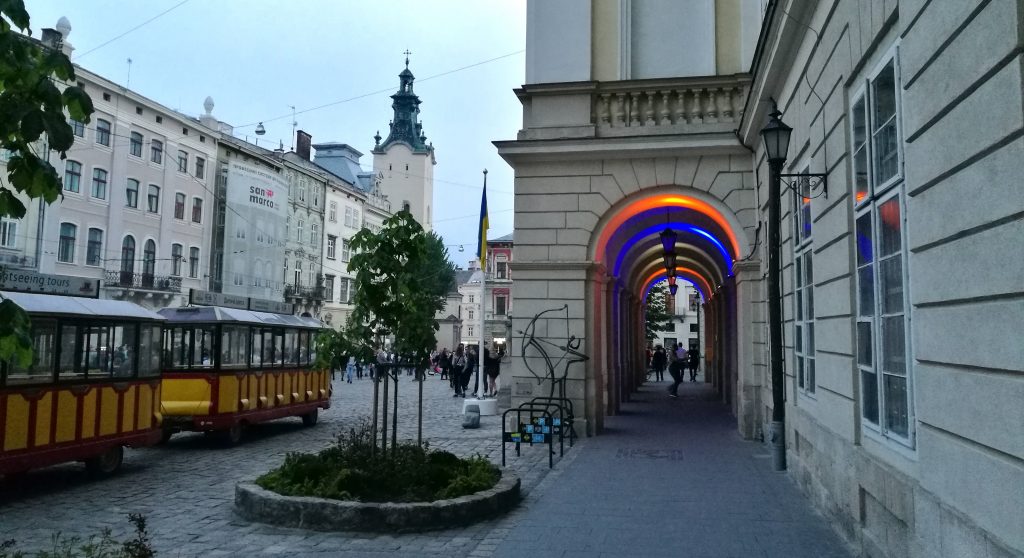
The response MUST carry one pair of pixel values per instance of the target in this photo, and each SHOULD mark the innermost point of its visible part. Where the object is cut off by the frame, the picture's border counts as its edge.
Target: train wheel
(310, 418)
(233, 436)
(106, 463)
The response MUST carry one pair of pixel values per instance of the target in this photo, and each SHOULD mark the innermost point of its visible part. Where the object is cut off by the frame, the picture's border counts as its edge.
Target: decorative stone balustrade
(668, 106)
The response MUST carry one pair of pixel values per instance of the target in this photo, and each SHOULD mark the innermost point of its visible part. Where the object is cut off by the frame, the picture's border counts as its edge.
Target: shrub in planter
(352, 470)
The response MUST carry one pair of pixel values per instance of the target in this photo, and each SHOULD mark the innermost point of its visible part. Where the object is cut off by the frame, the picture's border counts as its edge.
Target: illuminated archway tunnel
(709, 240)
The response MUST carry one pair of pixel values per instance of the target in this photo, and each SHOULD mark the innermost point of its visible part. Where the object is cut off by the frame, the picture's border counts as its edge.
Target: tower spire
(406, 53)
(405, 126)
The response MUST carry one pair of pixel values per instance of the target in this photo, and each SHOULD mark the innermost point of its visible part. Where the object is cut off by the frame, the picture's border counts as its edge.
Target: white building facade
(900, 271)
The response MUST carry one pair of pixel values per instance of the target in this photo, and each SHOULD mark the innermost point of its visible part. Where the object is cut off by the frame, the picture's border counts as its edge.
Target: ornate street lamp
(672, 286)
(668, 240)
(775, 136)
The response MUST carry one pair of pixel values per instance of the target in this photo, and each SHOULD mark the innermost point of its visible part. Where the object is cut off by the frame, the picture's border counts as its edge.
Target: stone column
(748, 329)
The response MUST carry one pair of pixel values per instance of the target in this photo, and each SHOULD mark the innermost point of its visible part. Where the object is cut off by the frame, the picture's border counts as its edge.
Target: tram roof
(59, 305)
(220, 314)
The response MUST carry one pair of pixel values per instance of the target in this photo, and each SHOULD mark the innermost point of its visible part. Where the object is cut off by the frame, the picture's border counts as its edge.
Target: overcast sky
(258, 57)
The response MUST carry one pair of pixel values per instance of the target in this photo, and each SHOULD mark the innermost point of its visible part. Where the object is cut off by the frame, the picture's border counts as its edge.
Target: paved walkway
(670, 477)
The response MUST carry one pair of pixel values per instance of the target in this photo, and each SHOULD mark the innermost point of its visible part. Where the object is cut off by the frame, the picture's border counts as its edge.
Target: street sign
(207, 298)
(272, 306)
(43, 283)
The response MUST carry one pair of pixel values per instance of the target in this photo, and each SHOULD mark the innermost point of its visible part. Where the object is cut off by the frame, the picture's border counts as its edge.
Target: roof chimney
(302, 143)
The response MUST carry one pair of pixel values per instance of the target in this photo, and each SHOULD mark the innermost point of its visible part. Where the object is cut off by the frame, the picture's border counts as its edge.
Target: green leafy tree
(657, 317)
(402, 277)
(33, 101)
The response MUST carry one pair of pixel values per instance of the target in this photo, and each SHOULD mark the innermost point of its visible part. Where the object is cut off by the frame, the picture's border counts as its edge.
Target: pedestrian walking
(458, 366)
(444, 362)
(659, 361)
(693, 360)
(350, 369)
(472, 361)
(675, 369)
(492, 367)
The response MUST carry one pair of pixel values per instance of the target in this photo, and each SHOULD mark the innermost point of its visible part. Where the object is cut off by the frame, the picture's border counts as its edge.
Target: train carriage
(226, 368)
(92, 388)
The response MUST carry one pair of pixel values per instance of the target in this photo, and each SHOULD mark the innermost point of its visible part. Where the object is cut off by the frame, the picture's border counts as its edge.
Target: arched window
(99, 184)
(72, 176)
(148, 263)
(103, 132)
(177, 255)
(127, 260)
(66, 246)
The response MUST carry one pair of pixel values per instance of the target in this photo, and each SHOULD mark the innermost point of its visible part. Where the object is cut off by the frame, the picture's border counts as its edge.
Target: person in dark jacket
(492, 367)
(693, 362)
(659, 361)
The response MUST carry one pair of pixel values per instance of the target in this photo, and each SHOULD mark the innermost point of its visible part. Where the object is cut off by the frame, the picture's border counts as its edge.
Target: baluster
(620, 110)
(726, 110)
(634, 109)
(693, 107)
(604, 110)
(711, 114)
(679, 107)
(737, 104)
(649, 110)
(663, 119)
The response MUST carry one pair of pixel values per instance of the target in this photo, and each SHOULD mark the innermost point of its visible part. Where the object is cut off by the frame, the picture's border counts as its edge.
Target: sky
(257, 60)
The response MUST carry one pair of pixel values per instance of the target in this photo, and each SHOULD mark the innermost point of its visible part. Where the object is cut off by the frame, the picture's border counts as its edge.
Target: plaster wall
(407, 177)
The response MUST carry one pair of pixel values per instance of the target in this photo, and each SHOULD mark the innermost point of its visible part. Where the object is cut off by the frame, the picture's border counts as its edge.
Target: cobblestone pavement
(186, 488)
(668, 478)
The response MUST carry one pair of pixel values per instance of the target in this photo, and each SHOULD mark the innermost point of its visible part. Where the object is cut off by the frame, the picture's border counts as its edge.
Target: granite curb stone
(322, 514)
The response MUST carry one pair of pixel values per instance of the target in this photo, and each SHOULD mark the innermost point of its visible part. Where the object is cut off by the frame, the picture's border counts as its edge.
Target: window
(135, 144)
(344, 287)
(877, 152)
(331, 246)
(77, 127)
(883, 342)
(148, 263)
(406, 207)
(332, 212)
(66, 245)
(802, 210)
(200, 167)
(501, 268)
(470, 315)
(197, 210)
(316, 197)
(182, 161)
(156, 149)
(355, 218)
(469, 331)
(302, 193)
(8, 232)
(127, 256)
(99, 184)
(314, 233)
(471, 299)
(159, 119)
(94, 250)
(103, 132)
(499, 305)
(193, 262)
(179, 205)
(131, 192)
(345, 250)
(329, 288)
(694, 328)
(72, 176)
(176, 258)
(348, 217)
(138, 110)
(153, 201)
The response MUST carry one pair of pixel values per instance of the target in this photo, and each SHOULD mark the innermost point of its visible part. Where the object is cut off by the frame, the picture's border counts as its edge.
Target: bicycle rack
(526, 431)
(565, 413)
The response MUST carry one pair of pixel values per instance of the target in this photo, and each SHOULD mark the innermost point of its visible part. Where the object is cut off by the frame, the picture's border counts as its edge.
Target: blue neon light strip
(681, 226)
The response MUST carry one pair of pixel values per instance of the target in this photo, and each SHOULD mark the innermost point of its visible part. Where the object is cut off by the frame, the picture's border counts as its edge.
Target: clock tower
(405, 161)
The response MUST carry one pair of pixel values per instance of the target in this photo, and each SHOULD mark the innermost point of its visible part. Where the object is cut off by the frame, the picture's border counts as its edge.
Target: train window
(234, 346)
(124, 344)
(97, 355)
(269, 350)
(68, 345)
(202, 347)
(44, 345)
(149, 351)
(291, 347)
(279, 355)
(179, 348)
(257, 348)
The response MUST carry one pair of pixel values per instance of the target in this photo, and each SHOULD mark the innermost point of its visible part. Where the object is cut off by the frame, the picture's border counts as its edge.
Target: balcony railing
(143, 281)
(302, 292)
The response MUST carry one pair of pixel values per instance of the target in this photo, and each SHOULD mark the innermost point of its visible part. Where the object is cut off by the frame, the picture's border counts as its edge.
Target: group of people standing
(677, 360)
(462, 366)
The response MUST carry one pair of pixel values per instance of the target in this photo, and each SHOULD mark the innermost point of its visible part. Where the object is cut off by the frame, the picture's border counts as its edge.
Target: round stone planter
(256, 504)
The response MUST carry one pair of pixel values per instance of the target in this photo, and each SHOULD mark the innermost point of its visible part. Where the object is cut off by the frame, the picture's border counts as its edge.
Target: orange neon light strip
(679, 270)
(669, 200)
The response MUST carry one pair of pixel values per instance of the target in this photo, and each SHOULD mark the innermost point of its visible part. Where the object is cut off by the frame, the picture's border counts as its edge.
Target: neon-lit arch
(691, 277)
(647, 289)
(638, 278)
(656, 229)
(720, 216)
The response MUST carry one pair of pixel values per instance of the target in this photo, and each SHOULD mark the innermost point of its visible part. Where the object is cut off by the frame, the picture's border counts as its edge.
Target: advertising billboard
(255, 225)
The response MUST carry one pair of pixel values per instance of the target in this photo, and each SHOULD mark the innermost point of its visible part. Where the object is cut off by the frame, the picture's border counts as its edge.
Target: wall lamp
(776, 135)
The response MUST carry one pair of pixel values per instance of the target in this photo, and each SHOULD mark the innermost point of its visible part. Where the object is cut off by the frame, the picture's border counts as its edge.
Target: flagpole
(483, 285)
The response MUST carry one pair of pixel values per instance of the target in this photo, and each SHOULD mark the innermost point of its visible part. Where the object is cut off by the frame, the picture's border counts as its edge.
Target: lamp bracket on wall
(815, 181)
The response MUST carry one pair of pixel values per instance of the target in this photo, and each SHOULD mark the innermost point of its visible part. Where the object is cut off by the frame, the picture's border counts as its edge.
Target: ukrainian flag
(481, 250)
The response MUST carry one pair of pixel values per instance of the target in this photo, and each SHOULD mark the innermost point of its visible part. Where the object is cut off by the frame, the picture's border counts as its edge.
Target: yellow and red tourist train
(226, 368)
(92, 388)
(110, 374)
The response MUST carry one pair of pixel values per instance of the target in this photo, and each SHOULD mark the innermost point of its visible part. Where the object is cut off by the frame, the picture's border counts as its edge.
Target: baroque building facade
(901, 349)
